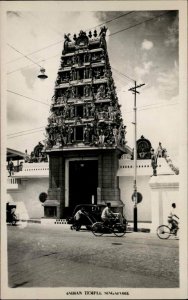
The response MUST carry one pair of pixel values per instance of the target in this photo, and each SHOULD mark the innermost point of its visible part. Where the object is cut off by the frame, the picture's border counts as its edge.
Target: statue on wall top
(160, 150)
(154, 162)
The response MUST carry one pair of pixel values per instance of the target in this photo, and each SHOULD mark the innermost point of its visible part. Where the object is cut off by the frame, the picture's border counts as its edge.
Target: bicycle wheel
(119, 229)
(163, 232)
(97, 229)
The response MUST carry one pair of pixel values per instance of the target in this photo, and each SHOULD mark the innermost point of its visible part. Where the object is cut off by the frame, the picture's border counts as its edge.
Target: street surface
(54, 256)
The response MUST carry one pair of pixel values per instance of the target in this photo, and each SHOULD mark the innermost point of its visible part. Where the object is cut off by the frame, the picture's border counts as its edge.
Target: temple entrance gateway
(85, 131)
(83, 182)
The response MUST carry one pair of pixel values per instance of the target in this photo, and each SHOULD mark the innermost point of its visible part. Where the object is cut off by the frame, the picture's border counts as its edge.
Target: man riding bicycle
(173, 219)
(108, 216)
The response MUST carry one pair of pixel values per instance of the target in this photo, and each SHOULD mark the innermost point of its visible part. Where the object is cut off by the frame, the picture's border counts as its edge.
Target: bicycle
(99, 228)
(164, 232)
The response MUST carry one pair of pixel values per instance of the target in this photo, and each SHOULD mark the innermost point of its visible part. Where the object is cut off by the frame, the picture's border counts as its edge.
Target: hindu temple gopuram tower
(85, 131)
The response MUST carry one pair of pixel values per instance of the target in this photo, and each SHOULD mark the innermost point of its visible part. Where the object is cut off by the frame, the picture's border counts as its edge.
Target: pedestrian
(11, 168)
(78, 218)
(14, 217)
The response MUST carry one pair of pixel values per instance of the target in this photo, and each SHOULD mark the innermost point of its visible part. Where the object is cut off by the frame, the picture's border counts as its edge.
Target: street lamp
(42, 74)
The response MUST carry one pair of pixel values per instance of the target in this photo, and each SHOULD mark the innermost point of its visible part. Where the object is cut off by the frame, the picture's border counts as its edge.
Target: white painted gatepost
(164, 191)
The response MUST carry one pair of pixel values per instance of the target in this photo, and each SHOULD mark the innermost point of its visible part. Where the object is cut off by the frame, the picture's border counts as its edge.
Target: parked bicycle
(99, 228)
(164, 232)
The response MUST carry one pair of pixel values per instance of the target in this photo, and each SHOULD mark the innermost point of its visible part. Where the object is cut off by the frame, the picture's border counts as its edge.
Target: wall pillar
(55, 203)
(109, 190)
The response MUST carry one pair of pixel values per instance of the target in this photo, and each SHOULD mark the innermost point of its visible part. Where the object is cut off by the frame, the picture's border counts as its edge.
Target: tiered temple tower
(85, 131)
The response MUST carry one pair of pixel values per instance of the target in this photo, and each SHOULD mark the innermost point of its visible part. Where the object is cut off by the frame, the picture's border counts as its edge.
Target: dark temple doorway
(83, 182)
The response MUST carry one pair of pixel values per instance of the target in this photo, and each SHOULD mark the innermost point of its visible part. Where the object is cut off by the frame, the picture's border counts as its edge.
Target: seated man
(173, 219)
(107, 215)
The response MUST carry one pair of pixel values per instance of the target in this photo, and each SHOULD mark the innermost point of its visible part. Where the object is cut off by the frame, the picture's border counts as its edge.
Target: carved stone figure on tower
(69, 134)
(82, 39)
(121, 135)
(73, 92)
(115, 133)
(97, 74)
(92, 110)
(87, 91)
(86, 111)
(101, 137)
(66, 94)
(100, 92)
(67, 40)
(102, 35)
(72, 111)
(86, 134)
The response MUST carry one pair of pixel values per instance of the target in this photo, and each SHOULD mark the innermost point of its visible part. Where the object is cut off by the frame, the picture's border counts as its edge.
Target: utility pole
(134, 91)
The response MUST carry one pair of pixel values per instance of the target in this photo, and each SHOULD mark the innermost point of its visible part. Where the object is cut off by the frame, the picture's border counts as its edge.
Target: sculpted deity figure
(58, 142)
(87, 91)
(72, 111)
(86, 111)
(115, 133)
(101, 137)
(86, 134)
(73, 92)
(122, 132)
(67, 40)
(102, 35)
(109, 93)
(97, 74)
(92, 110)
(100, 92)
(66, 94)
(69, 134)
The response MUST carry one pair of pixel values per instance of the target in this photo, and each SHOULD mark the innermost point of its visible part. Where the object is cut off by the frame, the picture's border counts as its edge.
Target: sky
(143, 46)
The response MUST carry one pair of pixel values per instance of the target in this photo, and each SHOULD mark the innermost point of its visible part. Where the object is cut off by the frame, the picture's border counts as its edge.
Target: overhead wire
(15, 133)
(118, 79)
(24, 55)
(110, 20)
(46, 47)
(11, 137)
(122, 74)
(152, 106)
(12, 92)
(118, 72)
(132, 26)
(95, 27)
(141, 108)
(31, 64)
